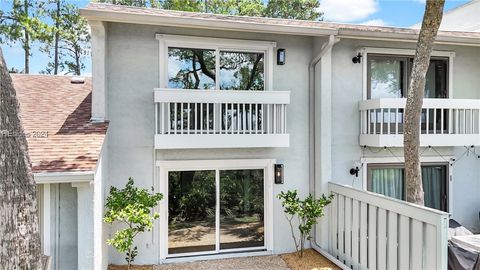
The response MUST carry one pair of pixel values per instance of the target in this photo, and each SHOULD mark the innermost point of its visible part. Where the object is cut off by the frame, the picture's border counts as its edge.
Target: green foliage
(135, 3)
(132, 207)
(307, 211)
(294, 9)
(23, 25)
(191, 199)
(287, 9)
(71, 31)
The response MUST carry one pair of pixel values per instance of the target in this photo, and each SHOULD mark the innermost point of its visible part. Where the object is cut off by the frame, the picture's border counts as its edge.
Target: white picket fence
(371, 231)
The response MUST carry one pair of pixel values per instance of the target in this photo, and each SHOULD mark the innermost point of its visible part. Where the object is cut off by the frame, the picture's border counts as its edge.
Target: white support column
(85, 224)
(323, 138)
(99, 92)
(46, 234)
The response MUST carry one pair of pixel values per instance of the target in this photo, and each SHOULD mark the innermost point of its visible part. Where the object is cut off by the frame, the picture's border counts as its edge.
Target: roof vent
(77, 80)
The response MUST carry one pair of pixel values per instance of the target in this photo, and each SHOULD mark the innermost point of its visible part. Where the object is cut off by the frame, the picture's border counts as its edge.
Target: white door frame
(229, 164)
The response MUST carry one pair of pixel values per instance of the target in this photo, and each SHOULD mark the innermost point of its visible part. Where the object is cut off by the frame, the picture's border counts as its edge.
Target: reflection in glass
(241, 71)
(191, 211)
(436, 79)
(191, 68)
(241, 209)
(385, 77)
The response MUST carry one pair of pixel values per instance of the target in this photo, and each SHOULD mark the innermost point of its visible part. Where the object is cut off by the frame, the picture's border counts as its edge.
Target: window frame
(161, 183)
(403, 53)
(399, 162)
(217, 44)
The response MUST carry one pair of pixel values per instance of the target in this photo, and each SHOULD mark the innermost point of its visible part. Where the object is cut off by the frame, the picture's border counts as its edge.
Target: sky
(400, 13)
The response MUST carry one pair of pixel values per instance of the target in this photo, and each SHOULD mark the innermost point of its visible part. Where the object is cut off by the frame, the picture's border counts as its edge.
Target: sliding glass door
(191, 211)
(241, 209)
(214, 211)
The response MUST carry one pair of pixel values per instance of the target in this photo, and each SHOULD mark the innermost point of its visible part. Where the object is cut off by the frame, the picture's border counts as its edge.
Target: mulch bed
(312, 260)
(134, 267)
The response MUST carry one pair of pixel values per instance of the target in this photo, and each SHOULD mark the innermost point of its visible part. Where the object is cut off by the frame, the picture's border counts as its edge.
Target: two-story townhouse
(222, 113)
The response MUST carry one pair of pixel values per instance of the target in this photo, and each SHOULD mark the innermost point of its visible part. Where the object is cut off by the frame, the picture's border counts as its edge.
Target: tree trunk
(57, 38)
(20, 239)
(77, 63)
(413, 173)
(26, 44)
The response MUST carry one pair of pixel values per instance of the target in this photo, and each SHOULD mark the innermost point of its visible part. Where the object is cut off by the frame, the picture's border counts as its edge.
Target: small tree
(307, 212)
(133, 207)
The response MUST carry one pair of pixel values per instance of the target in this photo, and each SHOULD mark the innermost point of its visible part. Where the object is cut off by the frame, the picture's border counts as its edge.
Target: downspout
(311, 108)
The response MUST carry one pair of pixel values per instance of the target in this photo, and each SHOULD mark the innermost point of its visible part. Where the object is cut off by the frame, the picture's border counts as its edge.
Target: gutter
(311, 108)
(63, 177)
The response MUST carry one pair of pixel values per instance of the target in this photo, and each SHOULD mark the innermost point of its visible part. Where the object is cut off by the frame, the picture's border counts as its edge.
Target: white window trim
(401, 160)
(403, 52)
(161, 184)
(241, 45)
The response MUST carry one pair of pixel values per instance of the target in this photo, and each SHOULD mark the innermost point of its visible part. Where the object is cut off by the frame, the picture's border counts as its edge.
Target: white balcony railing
(372, 231)
(220, 118)
(444, 122)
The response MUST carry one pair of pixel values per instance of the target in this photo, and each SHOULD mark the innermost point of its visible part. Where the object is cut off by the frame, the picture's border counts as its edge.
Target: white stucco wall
(132, 68)
(132, 73)
(463, 18)
(347, 92)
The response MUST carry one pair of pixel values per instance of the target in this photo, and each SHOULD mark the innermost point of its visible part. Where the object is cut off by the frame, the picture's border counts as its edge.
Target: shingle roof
(119, 13)
(52, 106)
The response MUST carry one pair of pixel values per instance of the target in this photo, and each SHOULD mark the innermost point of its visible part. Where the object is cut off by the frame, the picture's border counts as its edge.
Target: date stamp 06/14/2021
(31, 134)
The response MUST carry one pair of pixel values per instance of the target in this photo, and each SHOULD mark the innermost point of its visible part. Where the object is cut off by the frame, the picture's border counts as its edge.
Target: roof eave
(406, 37)
(222, 24)
(214, 24)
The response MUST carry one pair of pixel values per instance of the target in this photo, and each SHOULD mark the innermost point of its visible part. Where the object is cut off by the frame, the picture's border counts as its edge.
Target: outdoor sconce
(357, 59)
(278, 173)
(281, 57)
(354, 171)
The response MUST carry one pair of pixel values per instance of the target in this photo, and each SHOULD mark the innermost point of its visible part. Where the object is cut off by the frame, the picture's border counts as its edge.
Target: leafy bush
(132, 207)
(307, 211)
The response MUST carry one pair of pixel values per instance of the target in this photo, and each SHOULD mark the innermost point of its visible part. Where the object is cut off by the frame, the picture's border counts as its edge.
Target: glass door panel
(241, 209)
(191, 211)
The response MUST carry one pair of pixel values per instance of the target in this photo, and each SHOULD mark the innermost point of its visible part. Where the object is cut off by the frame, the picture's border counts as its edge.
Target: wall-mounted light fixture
(281, 57)
(357, 59)
(354, 171)
(278, 173)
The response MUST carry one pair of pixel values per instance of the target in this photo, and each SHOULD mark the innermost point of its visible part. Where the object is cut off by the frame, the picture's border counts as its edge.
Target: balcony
(188, 119)
(444, 122)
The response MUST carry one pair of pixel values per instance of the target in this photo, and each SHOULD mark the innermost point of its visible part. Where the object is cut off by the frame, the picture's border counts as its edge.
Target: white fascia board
(405, 37)
(205, 23)
(63, 177)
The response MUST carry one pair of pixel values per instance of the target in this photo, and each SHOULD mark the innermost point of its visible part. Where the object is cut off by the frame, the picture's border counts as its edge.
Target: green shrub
(307, 211)
(133, 207)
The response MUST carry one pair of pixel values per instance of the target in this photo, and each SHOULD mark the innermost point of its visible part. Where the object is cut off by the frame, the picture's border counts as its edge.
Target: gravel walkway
(244, 263)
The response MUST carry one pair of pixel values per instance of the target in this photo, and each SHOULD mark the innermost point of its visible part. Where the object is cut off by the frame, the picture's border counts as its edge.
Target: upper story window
(242, 70)
(191, 68)
(215, 64)
(388, 76)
